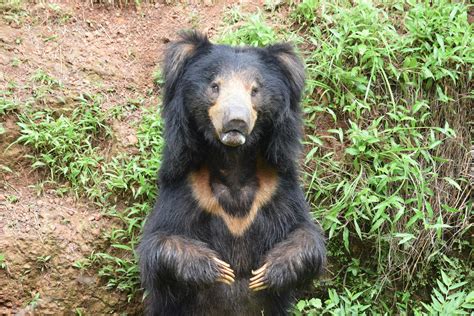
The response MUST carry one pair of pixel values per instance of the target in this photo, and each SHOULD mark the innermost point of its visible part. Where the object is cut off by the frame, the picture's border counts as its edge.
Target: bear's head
(231, 98)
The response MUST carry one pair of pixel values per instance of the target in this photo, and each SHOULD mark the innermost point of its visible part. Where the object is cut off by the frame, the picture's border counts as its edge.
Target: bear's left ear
(293, 68)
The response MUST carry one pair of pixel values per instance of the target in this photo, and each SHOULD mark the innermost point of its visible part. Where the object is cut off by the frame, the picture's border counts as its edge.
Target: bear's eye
(254, 91)
(215, 87)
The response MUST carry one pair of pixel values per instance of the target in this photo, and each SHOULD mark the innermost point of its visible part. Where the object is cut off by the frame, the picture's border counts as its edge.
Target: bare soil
(89, 48)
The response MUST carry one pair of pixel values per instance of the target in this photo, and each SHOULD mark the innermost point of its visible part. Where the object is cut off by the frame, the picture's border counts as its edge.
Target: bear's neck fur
(233, 180)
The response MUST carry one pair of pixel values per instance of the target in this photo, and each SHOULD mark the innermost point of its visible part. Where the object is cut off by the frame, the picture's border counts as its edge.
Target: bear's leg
(298, 258)
(164, 302)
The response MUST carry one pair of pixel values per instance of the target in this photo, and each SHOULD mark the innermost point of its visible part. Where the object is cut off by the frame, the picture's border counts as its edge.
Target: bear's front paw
(274, 275)
(294, 261)
(206, 270)
(259, 280)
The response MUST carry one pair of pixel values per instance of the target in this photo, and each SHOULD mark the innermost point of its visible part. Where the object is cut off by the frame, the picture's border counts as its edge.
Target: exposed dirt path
(88, 49)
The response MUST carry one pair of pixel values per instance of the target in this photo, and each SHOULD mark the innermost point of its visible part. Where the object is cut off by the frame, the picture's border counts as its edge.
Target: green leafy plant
(305, 12)
(66, 145)
(449, 298)
(3, 263)
(336, 304)
(43, 262)
(13, 11)
(255, 31)
(377, 192)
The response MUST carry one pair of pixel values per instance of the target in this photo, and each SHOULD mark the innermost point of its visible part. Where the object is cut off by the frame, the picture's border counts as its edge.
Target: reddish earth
(92, 49)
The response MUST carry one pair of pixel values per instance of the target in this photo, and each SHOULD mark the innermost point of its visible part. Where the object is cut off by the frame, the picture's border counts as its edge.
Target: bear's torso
(240, 238)
(244, 254)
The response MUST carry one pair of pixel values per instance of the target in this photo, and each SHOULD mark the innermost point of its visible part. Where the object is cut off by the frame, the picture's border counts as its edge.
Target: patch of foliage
(133, 176)
(381, 196)
(448, 298)
(67, 145)
(70, 147)
(12, 11)
(3, 264)
(7, 103)
(254, 31)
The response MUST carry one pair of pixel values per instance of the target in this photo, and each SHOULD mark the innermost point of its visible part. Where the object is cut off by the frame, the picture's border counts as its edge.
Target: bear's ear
(180, 145)
(177, 54)
(292, 67)
(286, 133)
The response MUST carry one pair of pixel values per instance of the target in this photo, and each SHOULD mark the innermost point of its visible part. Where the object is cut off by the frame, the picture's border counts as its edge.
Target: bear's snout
(238, 125)
(233, 117)
(234, 133)
(235, 125)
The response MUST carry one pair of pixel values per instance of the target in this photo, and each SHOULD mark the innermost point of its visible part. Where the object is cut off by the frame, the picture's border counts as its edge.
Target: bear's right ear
(293, 68)
(180, 145)
(177, 55)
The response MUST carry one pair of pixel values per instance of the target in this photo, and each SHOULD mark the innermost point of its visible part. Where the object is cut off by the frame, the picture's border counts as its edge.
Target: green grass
(7, 103)
(71, 147)
(385, 166)
(3, 263)
(255, 31)
(380, 201)
(12, 11)
(65, 145)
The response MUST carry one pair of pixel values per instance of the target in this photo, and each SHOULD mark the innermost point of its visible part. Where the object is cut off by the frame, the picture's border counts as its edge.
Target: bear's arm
(298, 258)
(167, 253)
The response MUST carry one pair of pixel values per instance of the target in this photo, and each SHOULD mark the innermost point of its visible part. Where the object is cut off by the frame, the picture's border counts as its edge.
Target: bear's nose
(238, 125)
(236, 118)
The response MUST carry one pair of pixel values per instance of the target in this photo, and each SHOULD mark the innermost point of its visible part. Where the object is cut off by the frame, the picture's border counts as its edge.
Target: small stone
(84, 279)
(132, 139)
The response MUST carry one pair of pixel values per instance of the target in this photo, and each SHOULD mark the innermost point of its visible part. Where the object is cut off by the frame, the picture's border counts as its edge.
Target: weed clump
(72, 146)
(383, 199)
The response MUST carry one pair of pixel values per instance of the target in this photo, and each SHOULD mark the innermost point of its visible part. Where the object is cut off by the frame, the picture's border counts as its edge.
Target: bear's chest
(236, 200)
(236, 206)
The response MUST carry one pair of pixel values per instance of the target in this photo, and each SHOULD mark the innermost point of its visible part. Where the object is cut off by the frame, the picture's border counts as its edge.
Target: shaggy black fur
(181, 238)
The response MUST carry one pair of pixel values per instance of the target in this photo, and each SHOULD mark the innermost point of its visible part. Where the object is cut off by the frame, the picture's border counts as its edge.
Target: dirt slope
(88, 49)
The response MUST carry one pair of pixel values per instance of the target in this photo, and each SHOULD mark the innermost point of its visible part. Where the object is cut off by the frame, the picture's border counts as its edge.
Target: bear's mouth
(232, 138)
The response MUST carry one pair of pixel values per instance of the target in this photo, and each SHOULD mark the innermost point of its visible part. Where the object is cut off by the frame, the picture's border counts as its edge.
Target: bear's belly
(231, 300)
(244, 253)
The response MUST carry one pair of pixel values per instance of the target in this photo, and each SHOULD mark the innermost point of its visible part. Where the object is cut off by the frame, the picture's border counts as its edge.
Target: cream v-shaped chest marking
(202, 192)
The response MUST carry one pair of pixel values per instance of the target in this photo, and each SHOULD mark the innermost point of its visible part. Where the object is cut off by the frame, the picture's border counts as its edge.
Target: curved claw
(219, 261)
(260, 270)
(224, 281)
(258, 281)
(226, 277)
(226, 274)
(260, 288)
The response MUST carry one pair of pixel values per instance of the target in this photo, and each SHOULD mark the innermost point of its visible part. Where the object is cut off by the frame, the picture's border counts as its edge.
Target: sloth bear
(231, 233)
